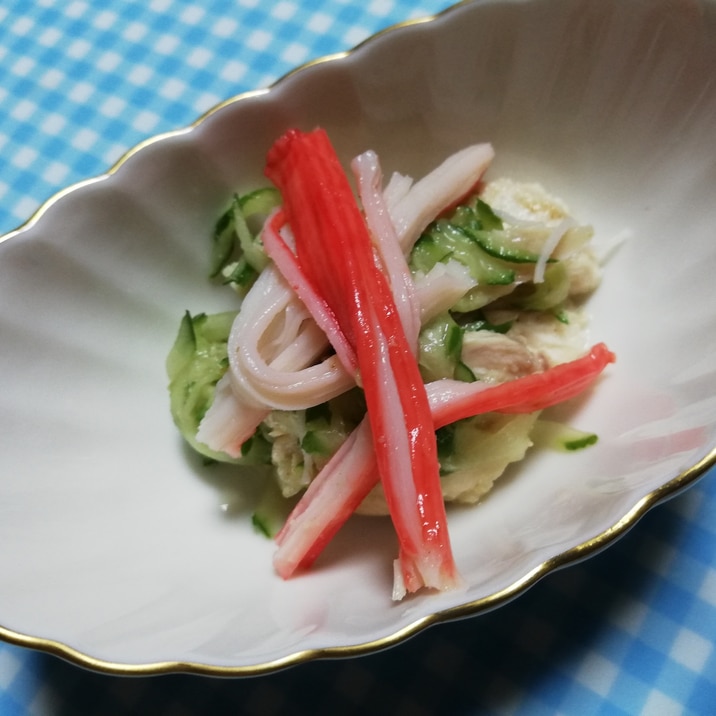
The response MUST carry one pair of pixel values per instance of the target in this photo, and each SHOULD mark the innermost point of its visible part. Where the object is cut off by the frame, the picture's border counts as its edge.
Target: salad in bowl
(389, 356)
(435, 317)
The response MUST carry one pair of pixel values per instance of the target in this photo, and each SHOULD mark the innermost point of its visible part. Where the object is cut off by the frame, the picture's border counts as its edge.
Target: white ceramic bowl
(120, 552)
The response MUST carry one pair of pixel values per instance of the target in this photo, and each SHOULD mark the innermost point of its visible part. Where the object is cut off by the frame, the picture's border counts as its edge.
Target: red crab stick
(286, 262)
(452, 400)
(334, 251)
(350, 475)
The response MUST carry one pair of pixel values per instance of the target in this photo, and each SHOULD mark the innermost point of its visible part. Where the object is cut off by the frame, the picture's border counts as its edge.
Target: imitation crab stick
(285, 259)
(452, 400)
(334, 251)
(350, 475)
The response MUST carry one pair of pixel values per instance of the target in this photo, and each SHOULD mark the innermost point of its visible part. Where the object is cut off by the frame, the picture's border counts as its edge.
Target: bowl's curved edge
(591, 546)
(480, 606)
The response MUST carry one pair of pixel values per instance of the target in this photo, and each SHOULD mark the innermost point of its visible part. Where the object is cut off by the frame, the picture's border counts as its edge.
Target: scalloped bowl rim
(684, 478)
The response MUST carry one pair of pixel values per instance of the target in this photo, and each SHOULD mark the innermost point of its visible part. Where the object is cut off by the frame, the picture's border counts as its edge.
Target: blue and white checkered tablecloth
(630, 631)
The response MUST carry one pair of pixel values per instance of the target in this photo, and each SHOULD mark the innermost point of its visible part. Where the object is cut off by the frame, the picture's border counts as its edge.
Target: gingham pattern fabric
(630, 631)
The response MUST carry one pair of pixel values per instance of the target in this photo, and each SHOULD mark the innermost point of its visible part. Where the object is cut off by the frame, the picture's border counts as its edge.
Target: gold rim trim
(473, 608)
(482, 605)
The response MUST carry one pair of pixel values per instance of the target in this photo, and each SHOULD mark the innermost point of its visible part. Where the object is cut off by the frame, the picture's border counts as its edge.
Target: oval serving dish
(121, 552)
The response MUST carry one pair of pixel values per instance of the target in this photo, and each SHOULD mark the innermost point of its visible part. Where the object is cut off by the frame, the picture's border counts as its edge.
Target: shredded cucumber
(237, 253)
(474, 452)
(195, 364)
(493, 237)
(445, 240)
(495, 254)
(562, 437)
(440, 346)
(550, 294)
